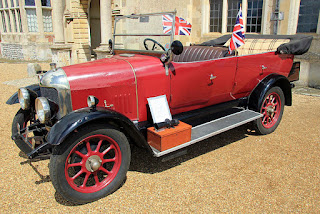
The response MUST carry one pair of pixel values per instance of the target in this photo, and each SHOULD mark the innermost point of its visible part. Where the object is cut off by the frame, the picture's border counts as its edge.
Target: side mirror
(176, 47)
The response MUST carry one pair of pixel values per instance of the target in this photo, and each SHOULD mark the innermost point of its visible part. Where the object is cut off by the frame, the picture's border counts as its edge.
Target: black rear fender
(83, 117)
(14, 98)
(272, 80)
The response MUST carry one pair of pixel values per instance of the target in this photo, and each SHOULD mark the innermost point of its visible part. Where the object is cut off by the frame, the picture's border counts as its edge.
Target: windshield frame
(136, 16)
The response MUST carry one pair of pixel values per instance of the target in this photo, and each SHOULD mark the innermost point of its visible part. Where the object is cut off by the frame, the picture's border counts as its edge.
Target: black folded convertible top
(298, 45)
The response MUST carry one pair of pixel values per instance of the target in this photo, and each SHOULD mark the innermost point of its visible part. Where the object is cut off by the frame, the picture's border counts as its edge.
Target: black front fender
(14, 98)
(69, 123)
(257, 95)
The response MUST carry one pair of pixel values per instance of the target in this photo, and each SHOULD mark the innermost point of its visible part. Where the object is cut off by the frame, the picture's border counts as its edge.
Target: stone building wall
(80, 29)
(31, 51)
(26, 36)
(78, 44)
(77, 32)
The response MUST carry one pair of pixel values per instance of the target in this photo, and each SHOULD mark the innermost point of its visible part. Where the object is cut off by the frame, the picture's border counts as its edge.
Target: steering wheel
(154, 44)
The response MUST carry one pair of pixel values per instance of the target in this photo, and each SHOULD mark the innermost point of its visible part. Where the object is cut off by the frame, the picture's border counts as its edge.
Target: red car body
(126, 82)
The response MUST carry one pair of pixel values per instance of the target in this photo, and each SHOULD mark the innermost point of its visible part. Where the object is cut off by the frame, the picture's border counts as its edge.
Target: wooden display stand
(170, 137)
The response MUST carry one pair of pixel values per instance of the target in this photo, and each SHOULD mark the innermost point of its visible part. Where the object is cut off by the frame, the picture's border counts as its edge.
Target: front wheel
(272, 108)
(90, 164)
(20, 121)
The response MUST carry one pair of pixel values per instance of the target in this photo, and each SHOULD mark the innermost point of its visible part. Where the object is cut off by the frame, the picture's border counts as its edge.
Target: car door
(199, 84)
(253, 68)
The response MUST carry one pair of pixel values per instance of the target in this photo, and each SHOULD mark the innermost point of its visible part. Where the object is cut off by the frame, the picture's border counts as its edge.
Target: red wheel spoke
(74, 164)
(91, 163)
(85, 180)
(109, 160)
(98, 146)
(107, 150)
(80, 154)
(105, 170)
(88, 146)
(96, 179)
(264, 119)
(77, 175)
(271, 110)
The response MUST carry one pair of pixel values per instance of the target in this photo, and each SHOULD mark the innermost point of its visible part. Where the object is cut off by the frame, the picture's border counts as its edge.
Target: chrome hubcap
(93, 163)
(270, 110)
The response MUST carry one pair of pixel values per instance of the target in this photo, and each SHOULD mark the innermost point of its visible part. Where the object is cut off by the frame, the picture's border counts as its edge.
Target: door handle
(212, 77)
(106, 105)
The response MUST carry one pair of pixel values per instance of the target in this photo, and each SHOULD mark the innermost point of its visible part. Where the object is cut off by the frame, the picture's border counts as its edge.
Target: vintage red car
(87, 115)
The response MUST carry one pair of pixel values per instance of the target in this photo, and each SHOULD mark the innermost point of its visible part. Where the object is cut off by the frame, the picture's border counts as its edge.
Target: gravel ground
(236, 171)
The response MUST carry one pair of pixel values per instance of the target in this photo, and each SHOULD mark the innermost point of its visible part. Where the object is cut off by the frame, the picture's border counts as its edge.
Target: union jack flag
(237, 38)
(182, 27)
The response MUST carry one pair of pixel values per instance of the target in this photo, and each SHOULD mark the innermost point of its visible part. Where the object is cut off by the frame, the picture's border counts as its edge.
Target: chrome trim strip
(141, 34)
(145, 14)
(118, 18)
(136, 82)
(167, 69)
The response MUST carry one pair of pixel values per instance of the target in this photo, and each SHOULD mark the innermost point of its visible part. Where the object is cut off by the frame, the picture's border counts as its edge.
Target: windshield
(144, 32)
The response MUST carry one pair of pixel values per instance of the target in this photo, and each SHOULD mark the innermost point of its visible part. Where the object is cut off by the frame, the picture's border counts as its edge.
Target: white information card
(159, 108)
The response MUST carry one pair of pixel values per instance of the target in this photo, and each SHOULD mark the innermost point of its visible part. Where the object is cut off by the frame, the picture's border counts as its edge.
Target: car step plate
(209, 129)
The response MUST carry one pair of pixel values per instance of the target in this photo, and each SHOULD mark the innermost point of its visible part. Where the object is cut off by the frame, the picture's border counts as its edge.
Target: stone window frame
(19, 13)
(233, 9)
(216, 15)
(225, 15)
(307, 18)
(254, 18)
(32, 22)
(47, 19)
(205, 16)
(10, 16)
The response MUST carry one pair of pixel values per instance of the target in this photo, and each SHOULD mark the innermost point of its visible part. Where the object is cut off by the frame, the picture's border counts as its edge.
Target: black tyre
(90, 164)
(272, 108)
(22, 118)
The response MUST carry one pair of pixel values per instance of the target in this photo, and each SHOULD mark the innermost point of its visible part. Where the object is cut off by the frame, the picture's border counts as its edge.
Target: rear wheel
(272, 108)
(90, 164)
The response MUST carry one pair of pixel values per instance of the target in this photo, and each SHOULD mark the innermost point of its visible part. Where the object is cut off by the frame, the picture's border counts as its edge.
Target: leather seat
(200, 53)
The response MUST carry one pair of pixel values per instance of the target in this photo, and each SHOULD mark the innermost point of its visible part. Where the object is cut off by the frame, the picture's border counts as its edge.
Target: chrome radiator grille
(50, 93)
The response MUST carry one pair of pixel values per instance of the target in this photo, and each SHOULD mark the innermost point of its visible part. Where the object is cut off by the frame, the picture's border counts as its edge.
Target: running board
(209, 129)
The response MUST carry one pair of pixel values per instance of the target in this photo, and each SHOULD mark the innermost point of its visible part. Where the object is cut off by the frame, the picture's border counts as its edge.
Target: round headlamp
(92, 101)
(43, 109)
(24, 98)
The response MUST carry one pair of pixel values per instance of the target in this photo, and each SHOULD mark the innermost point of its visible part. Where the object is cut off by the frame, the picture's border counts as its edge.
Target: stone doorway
(95, 27)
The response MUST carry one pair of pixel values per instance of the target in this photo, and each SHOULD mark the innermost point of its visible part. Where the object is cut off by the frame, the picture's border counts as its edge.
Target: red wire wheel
(93, 163)
(271, 108)
(90, 164)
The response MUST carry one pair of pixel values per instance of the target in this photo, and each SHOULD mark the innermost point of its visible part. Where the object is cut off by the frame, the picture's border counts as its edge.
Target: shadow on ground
(142, 161)
(43, 178)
